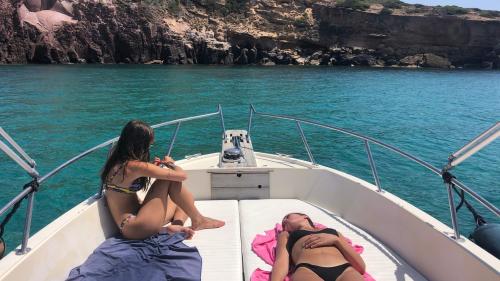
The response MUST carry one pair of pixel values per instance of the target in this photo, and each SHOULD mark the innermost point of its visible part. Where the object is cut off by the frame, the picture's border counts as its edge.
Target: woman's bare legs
(175, 219)
(151, 215)
(184, 199)
(174, 215)
(179, 217)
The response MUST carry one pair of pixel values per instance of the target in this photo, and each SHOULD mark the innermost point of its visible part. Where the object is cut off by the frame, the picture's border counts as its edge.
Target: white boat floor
(256, 216)
(220, 249)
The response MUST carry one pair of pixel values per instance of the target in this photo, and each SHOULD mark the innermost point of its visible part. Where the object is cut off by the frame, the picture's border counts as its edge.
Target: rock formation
(266, 32)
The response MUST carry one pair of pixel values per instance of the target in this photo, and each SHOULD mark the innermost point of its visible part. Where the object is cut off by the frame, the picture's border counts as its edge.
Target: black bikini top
(297, 234)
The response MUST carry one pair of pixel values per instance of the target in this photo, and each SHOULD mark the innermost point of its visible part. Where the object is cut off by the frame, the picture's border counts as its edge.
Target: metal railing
(367, 140)
(32, 187)
(30, 190)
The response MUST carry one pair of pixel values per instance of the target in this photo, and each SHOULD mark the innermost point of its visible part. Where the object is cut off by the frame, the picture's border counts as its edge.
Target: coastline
(265, 33)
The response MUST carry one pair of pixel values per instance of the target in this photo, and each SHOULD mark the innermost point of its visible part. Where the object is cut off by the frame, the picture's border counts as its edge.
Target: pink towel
(264, 246)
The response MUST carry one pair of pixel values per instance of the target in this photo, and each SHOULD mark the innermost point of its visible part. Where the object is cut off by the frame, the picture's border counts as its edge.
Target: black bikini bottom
(325, 273)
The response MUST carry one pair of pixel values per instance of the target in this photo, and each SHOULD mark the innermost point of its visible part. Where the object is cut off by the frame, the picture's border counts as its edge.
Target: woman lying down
(314, 254)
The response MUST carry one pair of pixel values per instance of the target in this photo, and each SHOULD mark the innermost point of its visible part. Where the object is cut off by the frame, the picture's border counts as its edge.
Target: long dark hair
(133, 144)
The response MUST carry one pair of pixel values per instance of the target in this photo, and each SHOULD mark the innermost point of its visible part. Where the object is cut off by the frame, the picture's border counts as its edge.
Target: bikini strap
(116, 172)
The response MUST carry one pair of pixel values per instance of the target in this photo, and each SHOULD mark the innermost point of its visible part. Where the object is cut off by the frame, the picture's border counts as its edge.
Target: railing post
(222, 122)
(27, 224)
(250, 116)
(372, 166)
(306, 145)
(453, 211)
(172, 141)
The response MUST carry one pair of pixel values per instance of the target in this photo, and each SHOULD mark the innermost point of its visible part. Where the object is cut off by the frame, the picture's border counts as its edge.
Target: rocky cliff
(263, 32)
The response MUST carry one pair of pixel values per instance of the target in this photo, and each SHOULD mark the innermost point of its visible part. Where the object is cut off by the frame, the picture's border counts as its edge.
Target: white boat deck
(260, 215)
(222, 255)
(407, 232)
(220, 249)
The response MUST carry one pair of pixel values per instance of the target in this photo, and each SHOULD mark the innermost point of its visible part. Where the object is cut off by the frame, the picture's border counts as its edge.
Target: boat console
(232, 180)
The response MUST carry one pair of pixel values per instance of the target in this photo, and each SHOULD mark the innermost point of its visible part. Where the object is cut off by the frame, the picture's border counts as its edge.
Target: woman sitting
(128, 170)
(314, 254)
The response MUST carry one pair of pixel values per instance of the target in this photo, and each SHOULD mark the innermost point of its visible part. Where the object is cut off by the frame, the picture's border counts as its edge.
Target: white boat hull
(412, 239)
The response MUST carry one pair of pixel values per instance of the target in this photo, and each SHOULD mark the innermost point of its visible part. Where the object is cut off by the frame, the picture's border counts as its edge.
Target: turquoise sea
(55, 112)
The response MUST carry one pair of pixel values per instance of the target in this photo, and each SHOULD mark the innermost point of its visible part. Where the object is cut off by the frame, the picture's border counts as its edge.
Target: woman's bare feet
(206, 223)
(172, 228)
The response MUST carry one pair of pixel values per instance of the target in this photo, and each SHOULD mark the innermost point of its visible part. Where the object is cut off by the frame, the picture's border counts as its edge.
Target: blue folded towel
(159, 257)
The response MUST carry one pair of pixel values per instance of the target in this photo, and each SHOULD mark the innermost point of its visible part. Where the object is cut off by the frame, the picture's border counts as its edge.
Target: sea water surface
(56, 112)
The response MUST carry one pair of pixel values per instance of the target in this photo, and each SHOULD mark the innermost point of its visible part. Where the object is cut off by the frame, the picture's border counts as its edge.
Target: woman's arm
(350, 254)
(144, 169)
(281, 264)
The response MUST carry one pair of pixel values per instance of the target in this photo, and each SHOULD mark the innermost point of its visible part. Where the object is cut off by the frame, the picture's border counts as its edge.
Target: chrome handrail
(368, 140)
(29, 190)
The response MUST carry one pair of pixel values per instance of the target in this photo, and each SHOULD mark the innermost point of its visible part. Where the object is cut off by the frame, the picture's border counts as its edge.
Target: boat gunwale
(12, 260)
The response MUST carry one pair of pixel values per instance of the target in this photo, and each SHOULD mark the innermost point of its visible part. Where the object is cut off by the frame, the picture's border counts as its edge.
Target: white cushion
(220, 249)
(256, 216)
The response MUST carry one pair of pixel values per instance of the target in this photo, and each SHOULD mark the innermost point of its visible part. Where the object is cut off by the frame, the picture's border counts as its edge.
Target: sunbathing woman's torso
(322, 256)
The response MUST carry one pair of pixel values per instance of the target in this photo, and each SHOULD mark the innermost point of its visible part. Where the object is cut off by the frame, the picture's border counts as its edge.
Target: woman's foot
(172, 229)
(206, 223)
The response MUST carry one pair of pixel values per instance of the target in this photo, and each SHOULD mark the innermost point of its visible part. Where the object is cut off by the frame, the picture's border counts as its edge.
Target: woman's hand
(166, 161)
(157, 161)
(283, 237)
(320, 240)
(173, 228)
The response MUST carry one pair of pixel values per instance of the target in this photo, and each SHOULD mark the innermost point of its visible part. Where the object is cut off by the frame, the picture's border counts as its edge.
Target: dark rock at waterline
(364, 59)
(416, 60)
(435, 61)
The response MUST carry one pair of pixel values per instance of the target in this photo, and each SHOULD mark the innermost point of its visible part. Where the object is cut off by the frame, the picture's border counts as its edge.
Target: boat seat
(220, 249)
(256, 216)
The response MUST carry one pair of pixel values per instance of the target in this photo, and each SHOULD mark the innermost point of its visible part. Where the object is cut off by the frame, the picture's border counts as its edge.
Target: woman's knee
(170, 186)
(159, 189)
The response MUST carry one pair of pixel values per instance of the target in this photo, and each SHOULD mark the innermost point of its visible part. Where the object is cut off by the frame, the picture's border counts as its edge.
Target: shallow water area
(54, 112)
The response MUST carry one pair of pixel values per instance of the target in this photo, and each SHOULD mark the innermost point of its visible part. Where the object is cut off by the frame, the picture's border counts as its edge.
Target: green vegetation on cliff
(489, 14)
(390, 5)
(451, 10)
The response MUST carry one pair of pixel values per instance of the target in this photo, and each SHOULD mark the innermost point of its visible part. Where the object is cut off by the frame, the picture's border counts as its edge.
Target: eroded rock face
(267, 32)
(446, 40)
